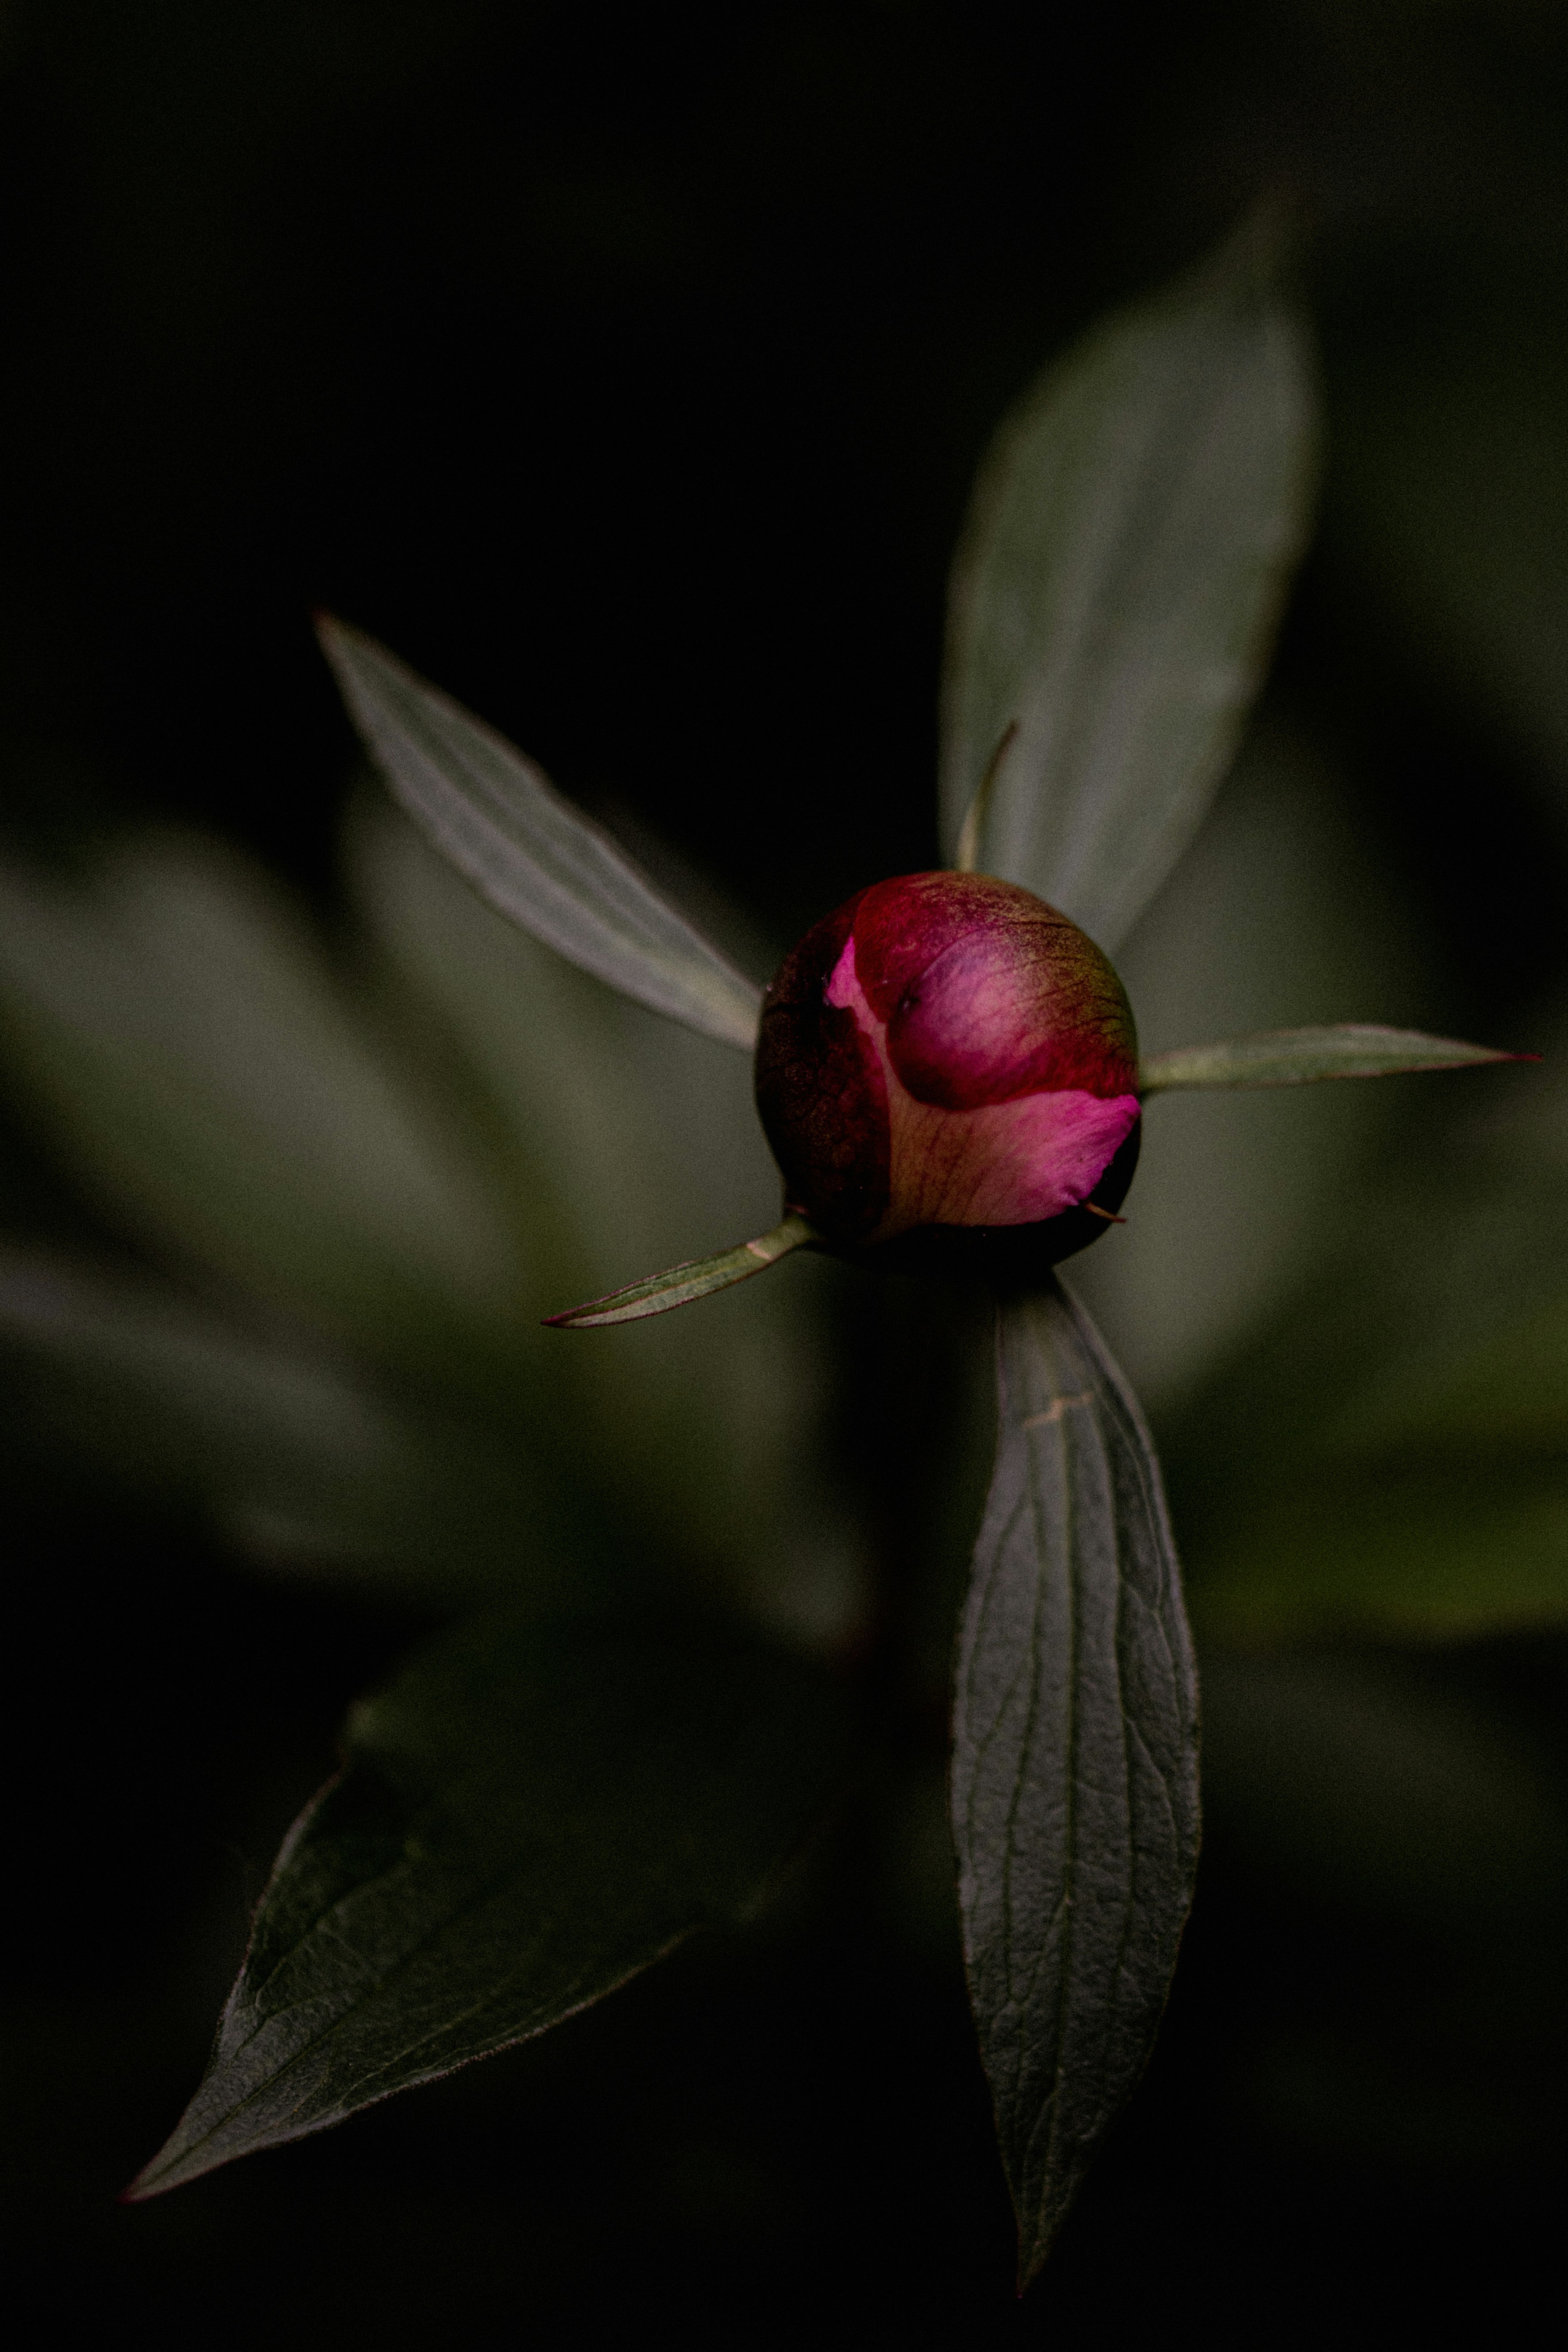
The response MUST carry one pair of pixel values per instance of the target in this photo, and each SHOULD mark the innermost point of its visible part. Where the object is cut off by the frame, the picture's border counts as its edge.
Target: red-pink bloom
(947, 1052)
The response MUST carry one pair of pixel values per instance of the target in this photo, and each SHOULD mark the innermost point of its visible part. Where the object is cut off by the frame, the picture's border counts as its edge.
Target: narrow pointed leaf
(1074, 1803)
(524, 847)
(1298, 1058)
(1130, 540)
(679, 1285)
(525, 1819)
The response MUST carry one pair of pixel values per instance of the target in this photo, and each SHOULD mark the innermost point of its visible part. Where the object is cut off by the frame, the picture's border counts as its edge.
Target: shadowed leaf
(1409, 1552)
(1274, 914)
(1298, 1058)
(1131, 536)
(206, 1071)
(633, 1143)
(524, 847)
(293, 1455)
(1431, 1501)
(1074, 1803)
(525, 1819)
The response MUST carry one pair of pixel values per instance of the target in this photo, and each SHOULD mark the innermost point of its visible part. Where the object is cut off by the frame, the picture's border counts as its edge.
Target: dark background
(625, 371)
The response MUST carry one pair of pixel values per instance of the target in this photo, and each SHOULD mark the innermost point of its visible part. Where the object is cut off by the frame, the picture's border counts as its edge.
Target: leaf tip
(161, 2172)
(1035, 2245)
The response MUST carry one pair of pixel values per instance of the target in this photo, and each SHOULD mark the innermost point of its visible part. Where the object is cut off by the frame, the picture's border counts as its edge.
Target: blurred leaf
(1384, 1785)
(294, 1458)
(529, 852)
(1429, 1502)
(1401, 1795)
(1127, 550)
(679, 1285)
(635, 1142)
(525, 1819)
(1405, 1552)
(205, 1069)
(1296, 1057)
(1390, 1455)
(1275, 915)
(1075, 1758)
(1449, 489)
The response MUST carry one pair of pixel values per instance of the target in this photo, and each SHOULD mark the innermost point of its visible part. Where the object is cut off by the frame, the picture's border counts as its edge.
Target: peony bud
(948, 1065)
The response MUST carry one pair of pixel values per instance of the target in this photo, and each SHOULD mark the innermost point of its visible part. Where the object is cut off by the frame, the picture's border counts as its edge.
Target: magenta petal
(1012, 1164)
(1006, 1163)
(944, 1051)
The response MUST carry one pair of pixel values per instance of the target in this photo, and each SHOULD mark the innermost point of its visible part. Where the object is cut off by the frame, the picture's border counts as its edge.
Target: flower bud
(948, 1065)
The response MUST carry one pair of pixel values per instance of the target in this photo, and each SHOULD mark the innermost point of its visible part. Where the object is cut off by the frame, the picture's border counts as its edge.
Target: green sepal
(678, 1285)
(1299, 1057)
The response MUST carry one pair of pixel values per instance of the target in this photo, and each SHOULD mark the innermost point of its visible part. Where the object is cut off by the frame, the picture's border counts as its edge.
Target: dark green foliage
(1075, 1794)
(528, 1816)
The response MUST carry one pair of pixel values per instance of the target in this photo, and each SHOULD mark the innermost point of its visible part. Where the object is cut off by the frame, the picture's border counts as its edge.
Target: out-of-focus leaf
(525, 1819)
(1396, 1790)
(1075, 1803)
(1405, 1552)
(1297, 1057)
(205, 1071)
(294, 1456)
(1275, 915)
(1432, 1504)
(636, 1142)
(1127, 553)
(1449, 495)
(679, 1285)
(1389, 1456)
(507, 830)
(1381, 1784)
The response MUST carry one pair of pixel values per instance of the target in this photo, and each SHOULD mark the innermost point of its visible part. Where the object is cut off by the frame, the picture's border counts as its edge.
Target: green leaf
(1127, 553)
(1432, 1505)
(679, 1285)
(1450, 490)
(1401, 1551)
(296, 1458)
(524, 847)
(1075, 1803)
(1380, 1784)
(633, 1142)
(1274, 916)
(184, 1038)
(525, 1819)
(1297, 1057)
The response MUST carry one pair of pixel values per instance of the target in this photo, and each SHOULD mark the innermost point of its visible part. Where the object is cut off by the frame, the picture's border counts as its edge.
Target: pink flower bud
(947, 1059)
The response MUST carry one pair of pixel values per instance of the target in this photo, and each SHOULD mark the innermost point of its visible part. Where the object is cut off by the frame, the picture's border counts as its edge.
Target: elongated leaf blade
(1127, 553)
(636, 1145)
(181, 1035)
(1074, 1803)
(679, 1285)
(1299, 1057)
(524, 847)
(294, 1454)
(526, 1818)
